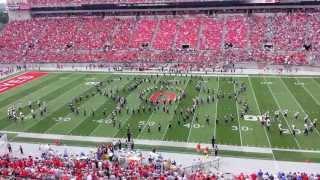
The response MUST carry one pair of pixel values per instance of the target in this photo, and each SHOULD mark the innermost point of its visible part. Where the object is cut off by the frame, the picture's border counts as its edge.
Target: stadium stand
(163, 38)
(107, 162)
(281, 175)
(114, 161)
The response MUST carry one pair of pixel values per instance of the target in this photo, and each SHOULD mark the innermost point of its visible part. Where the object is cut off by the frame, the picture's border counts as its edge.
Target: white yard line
(85, 104)
(95, 129)
(301, 108)
(194, 115)
(265, 131)
(315, 82)
(289, 127)
(126, 119)
(144, 127)
(167, 128)
(68, 115)
(239, 124)
(277, 102)
(191, 124)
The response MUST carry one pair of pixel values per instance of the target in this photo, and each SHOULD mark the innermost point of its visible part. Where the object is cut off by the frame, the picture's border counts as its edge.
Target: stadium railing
(212, 165)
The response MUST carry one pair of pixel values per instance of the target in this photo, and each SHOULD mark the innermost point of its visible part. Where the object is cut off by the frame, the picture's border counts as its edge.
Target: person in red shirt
(253, 176)
(241, 177)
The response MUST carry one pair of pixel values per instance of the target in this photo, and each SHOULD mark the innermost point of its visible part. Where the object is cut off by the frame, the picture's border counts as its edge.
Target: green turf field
(262, 94)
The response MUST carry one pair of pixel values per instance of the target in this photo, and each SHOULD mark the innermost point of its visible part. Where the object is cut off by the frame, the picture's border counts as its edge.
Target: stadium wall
(240, 68)
(19, 15)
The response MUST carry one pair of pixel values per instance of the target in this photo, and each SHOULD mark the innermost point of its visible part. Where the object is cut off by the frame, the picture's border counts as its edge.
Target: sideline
(250, 149)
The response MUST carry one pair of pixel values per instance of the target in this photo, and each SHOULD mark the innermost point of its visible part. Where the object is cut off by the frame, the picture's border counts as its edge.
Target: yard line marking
(49, 104)
(124, 120)
(194, 115)
(191, 124)
(140, 102)
(85, 104)
(165, 132)
(108, 116)
(265, 131)
(289, 127)
(301, 108)
(150, 117)
(95, 129)
(145, 126)
(57, 108)
(316, 82)
(239, 124)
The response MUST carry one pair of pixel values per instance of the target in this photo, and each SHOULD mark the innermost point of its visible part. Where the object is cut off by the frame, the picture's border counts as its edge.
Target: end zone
(19, 80)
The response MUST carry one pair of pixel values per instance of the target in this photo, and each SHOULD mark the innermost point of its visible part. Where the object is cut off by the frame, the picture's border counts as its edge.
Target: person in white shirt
(306, 129)
(268, 124)
(306, 117)
(280, 128)
(285, 112)
(293, 130)
(296, 115)
(314, 123)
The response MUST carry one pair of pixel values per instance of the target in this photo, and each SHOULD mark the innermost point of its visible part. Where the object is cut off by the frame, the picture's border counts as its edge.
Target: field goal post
(3, 143)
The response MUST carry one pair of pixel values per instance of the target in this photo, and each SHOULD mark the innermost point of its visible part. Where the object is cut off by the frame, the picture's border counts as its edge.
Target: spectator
(9, 148)
(21, 150)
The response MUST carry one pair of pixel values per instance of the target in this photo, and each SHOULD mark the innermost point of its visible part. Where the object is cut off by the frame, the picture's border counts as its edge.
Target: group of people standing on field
(19, 112)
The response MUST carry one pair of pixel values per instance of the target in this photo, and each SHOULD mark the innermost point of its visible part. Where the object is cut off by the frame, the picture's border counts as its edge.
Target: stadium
(160, 89)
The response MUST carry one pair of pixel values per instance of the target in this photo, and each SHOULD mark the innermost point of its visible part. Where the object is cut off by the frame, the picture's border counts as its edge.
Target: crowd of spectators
(260, 175)
(108, 162)
(278, 38)
(117, 160)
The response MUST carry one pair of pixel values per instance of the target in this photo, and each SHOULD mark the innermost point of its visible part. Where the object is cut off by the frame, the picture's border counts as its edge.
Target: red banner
(19, 80)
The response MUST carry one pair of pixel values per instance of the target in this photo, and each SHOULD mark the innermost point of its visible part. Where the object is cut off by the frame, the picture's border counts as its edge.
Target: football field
(86, 104)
